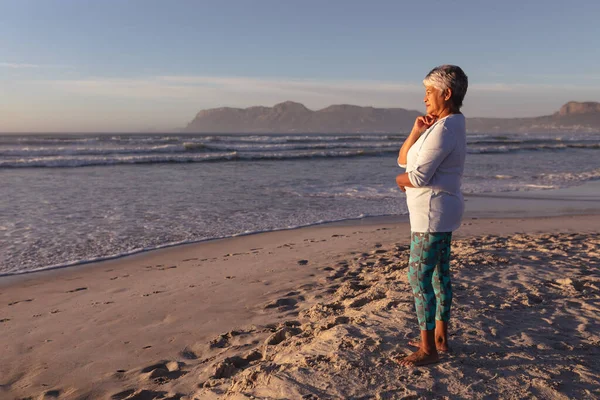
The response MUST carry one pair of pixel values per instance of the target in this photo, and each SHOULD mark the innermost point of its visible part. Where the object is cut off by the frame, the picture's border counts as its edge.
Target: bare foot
(418, 358)
(440, 347)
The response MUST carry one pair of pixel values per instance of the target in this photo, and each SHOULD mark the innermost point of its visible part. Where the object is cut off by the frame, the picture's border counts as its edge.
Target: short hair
(449, 77)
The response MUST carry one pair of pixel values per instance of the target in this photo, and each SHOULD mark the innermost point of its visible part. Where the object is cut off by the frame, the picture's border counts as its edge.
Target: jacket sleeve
(437, 145)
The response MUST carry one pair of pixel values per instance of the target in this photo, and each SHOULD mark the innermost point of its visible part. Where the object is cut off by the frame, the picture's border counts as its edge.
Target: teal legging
(429, 276)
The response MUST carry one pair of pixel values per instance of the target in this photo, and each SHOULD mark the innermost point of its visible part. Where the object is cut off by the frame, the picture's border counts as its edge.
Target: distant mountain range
(291, 117)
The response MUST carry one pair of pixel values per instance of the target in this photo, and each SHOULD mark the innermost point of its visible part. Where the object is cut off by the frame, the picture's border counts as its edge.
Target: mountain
(291, 117)
(572, 117)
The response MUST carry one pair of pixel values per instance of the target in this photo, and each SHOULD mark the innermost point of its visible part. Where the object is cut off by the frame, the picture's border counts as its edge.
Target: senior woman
(434, 158)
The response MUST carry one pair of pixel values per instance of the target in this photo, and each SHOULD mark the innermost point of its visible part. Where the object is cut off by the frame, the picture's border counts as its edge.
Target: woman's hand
(423, 122)
(403, 181)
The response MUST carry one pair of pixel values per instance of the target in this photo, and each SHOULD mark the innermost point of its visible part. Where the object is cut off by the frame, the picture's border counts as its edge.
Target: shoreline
(577, 200)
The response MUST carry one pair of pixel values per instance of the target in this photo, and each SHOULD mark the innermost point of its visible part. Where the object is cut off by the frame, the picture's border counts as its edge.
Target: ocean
(70, 199)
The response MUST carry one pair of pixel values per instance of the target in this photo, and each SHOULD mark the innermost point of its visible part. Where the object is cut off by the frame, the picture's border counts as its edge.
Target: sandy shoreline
(578, 200)
(330, 301)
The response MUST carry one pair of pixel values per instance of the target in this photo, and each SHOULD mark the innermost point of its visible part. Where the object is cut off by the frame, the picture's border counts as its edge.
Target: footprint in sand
(234, 254)
(288, 245)
(144, 394)
(283, 304)
(340, 271)
(20, 301)
(232, 365)
(76, 290)
(160, 267)
(117, 277)
(154, 292)
(163, 372)
(223, 340)
(51, 394)
(188, 354)
(348, 289)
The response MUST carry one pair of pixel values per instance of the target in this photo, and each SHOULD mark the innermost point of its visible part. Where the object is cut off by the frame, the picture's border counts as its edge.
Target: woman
(434, 158)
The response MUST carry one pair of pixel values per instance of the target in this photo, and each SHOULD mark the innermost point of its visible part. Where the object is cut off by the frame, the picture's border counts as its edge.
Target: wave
(69, 162)
(40, 140)
(51, 141)
(190, 147)
(200, 152)
(302, 138)
(555, 180)
(567, 177)
(371, 192)
(75, 151)
(548, 147)
(386, 146)
(83, 151)
(194, 146)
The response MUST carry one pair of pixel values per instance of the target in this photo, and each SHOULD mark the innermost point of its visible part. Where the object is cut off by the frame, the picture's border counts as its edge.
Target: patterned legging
(429, 276)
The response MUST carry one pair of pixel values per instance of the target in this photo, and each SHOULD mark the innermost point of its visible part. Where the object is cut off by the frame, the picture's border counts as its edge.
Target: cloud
(527, 87)
(216, 91)
(226, 88)
(166, 100)
(30, 66)
(17, 66)
(192, 86)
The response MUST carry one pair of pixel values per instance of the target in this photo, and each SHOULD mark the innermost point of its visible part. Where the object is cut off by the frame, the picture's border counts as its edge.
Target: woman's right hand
(423, 122)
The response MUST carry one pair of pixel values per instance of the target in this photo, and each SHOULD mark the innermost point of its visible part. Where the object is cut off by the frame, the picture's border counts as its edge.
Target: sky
(138, 65)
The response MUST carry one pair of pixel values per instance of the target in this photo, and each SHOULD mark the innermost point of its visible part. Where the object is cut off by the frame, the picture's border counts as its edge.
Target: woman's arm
(434, 150)
(439, 143)
(403, 181)
(421, 124)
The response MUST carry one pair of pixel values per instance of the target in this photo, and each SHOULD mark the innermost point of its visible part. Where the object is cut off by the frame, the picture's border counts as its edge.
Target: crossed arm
(402, 180)
(435, 148)
(421, 124)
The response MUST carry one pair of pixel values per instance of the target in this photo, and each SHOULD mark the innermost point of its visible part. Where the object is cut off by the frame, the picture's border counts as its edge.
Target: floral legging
(429, 276)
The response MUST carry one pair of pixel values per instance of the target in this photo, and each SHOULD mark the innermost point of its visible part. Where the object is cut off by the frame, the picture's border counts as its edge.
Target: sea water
(69, 199)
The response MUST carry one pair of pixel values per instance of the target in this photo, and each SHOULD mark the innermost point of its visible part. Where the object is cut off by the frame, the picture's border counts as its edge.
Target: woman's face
(434, 100)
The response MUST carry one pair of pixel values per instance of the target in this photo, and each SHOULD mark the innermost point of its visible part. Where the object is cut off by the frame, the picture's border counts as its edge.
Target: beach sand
(312, 313)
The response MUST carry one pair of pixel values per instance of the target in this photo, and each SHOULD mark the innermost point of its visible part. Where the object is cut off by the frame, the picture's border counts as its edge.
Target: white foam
(172, 244)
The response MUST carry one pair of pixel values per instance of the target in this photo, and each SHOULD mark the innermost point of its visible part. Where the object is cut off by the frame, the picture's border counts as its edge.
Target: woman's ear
(448, 94)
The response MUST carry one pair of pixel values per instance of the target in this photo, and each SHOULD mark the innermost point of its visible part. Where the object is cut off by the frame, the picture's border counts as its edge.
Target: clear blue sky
(84, 65)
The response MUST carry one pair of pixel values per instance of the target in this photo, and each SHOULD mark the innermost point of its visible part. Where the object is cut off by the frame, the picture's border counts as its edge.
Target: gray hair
(449, 77)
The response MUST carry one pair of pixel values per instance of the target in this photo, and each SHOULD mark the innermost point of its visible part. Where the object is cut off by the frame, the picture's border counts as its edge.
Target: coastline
(578, 200)
(95, 331)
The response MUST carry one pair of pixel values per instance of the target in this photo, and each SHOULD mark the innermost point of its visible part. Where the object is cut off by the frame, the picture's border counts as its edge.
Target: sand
(313, 313)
